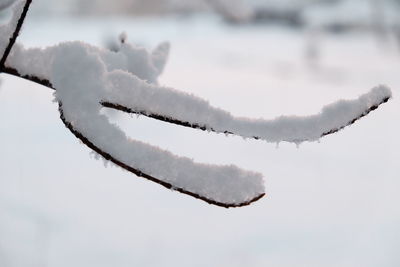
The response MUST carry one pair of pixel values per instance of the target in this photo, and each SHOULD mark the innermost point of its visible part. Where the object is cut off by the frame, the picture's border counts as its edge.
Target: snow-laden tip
(380, 92)
(346, 112)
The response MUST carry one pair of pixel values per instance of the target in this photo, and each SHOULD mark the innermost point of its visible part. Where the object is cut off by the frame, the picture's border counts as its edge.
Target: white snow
(134, 59)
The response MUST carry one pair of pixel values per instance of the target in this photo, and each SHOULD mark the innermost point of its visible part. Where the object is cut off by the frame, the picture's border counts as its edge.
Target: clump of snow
(160, 56)
(131, 58)
(80, 90)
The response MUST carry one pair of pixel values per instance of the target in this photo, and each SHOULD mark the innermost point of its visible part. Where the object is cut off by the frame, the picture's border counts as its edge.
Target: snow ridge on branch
(87, 78)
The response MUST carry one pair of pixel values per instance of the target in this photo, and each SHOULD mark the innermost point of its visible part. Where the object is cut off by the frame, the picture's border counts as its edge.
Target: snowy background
(333, 203)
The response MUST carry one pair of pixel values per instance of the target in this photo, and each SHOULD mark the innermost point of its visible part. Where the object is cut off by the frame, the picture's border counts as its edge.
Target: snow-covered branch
(133, 94)
(88, 78)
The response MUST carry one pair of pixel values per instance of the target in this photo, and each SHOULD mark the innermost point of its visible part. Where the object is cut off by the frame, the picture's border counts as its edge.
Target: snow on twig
(133, 95)
(129, 92)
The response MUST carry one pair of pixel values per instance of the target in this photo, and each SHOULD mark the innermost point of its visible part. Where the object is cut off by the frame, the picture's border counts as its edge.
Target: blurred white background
(332, 203)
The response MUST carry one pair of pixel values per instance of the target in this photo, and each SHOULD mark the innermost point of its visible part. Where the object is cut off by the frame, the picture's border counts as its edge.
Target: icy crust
(80, 90)
(131, 58)
(139, 96)
(6, 30)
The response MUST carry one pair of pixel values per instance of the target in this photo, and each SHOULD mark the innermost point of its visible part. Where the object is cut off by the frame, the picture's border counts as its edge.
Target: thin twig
(14, 36)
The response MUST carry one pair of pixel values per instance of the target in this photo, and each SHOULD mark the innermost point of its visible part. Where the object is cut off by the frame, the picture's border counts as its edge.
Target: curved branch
(194, 125)
(205, 128)
(129, 94)
(139, 173)
(15, 34)
(32, 78)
